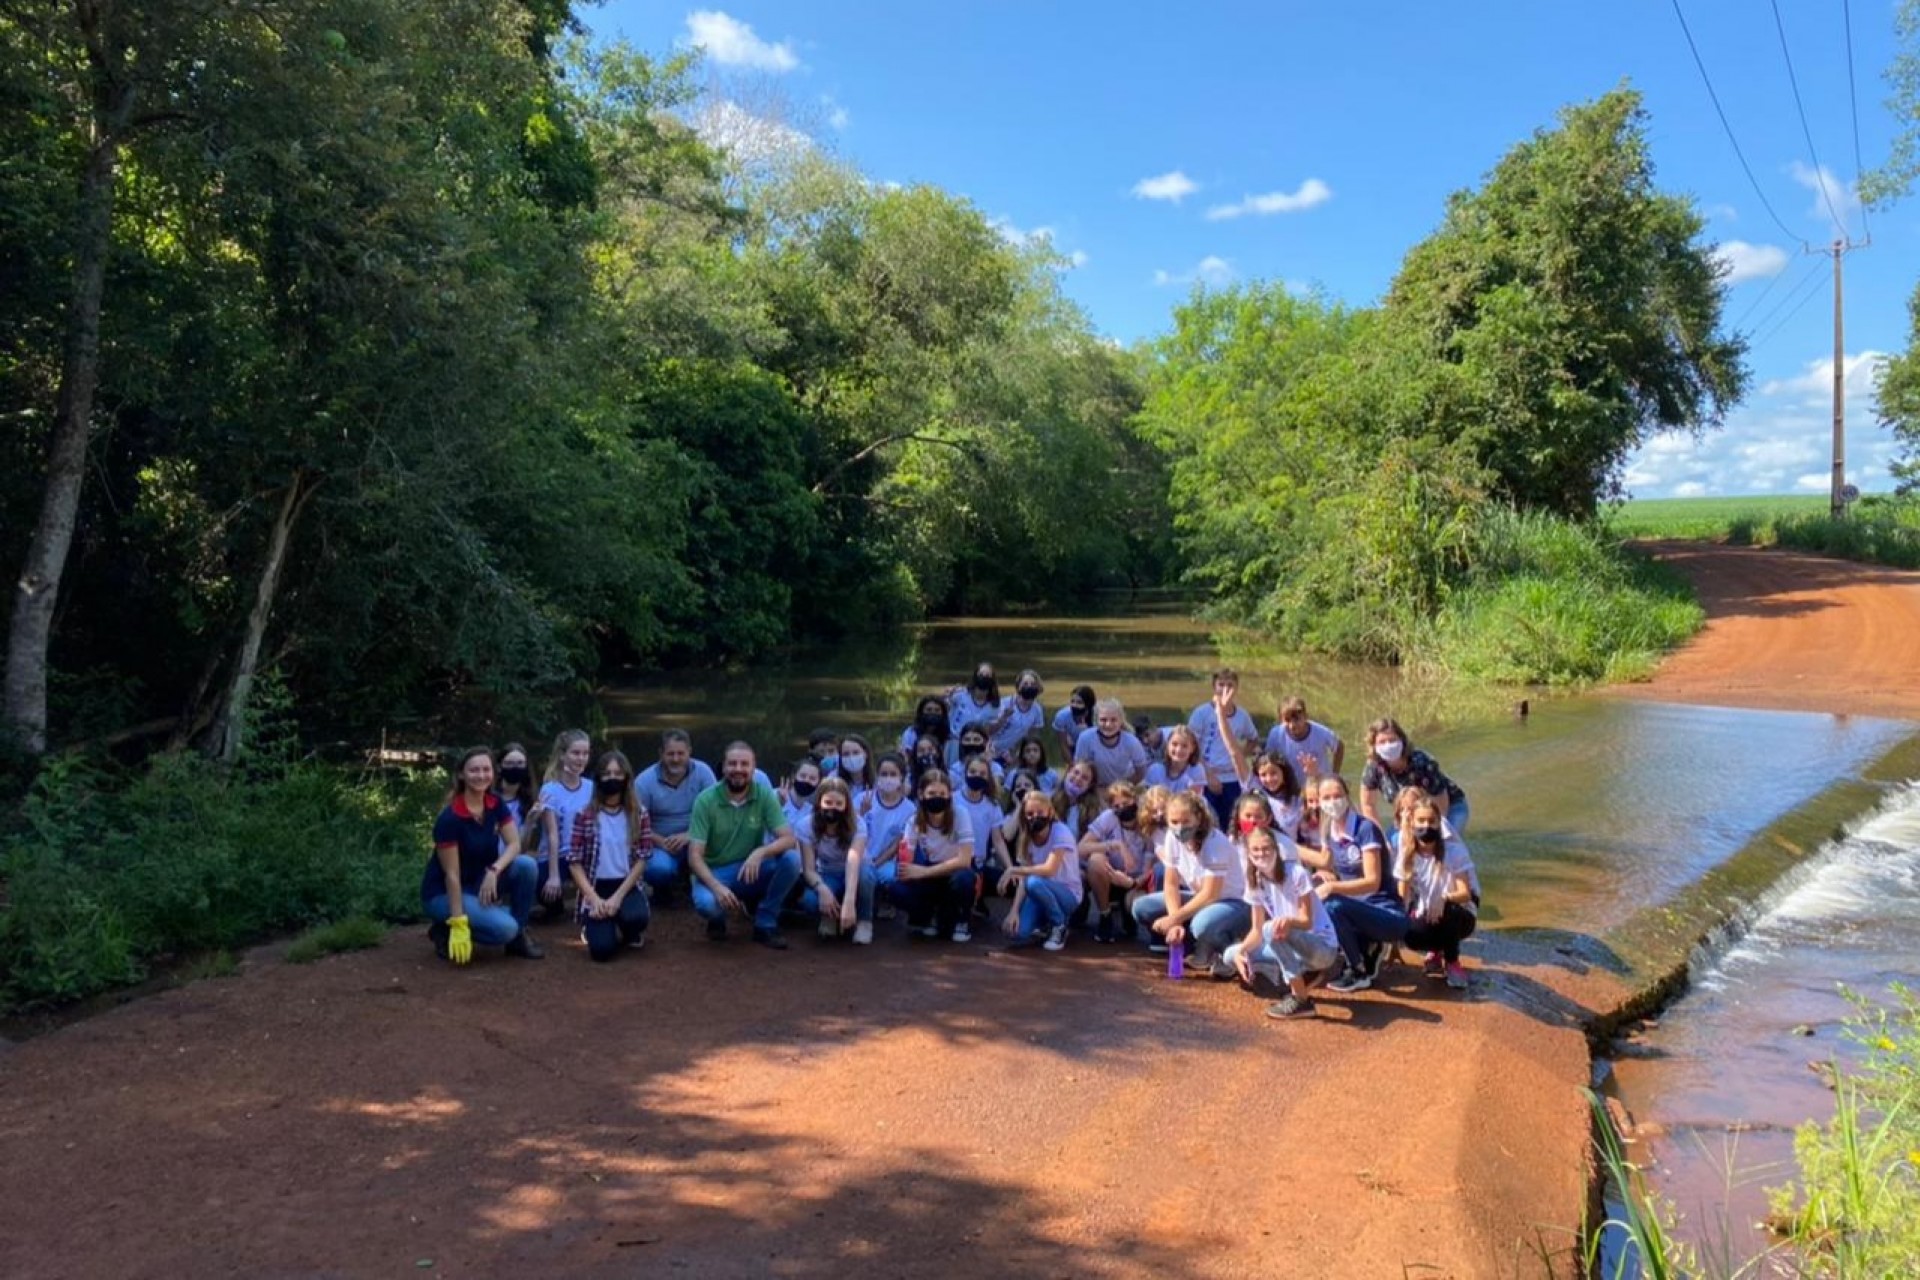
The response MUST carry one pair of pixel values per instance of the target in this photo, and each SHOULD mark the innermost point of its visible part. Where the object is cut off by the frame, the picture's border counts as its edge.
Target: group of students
(1201, 838)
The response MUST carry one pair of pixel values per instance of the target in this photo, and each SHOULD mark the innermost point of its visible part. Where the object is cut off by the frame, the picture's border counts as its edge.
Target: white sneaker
(1056, 938)
(961, 933)
(927, 930)
(829, 928)
(862, 934)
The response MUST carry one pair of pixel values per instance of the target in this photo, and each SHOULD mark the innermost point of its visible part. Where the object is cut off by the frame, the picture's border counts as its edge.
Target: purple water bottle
(1177, 960)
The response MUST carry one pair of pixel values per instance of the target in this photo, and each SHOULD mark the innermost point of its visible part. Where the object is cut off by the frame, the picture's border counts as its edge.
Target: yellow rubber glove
(459, 940)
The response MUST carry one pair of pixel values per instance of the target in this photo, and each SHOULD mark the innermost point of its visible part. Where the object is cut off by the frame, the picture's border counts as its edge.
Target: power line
(1819, 170)
(1853, 101)
(1754, 306)
(1766, 317)
(1721, 112)
(1805, 297)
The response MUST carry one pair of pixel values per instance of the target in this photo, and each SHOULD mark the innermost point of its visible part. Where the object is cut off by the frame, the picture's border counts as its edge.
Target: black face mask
(1039, 827)
(611, 787)
(802, 790)
(931, 719)
(977, 784)
(1127, 813)
(935, 804)
(514, 775)
(971, 748)
(831, 816)
(1426, 835)
(982, 684)
(1029, 691)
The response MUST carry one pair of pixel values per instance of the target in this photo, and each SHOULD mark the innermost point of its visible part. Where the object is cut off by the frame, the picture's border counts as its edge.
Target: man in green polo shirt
(731, 867)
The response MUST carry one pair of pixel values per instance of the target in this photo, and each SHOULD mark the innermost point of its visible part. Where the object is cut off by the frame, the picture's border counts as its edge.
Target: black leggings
(1445, 934)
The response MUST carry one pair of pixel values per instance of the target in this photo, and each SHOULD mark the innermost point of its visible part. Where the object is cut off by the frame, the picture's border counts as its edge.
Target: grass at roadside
(1878, 530)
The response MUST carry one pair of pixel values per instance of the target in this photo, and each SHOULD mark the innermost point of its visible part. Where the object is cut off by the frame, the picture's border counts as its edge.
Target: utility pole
(1838, 498)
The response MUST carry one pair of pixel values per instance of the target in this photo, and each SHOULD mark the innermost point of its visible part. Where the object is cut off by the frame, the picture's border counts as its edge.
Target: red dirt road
(918, 1109)
(1794, 632)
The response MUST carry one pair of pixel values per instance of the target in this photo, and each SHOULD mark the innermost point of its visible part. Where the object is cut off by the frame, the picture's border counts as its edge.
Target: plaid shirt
(584, 847)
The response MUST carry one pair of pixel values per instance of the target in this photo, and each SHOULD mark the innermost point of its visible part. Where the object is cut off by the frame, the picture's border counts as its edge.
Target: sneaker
(1436, 965)
(437, 934)
(1457, 976)
(1291, 1006)
(961, 933)
(717, 929)
(924, 930)
(1056, 938)
(862, 934)
(638, 942)
(1351, 981)
(829, 928)
(1104, 931)
(1222, 971)
(525, 947)
(772, 939)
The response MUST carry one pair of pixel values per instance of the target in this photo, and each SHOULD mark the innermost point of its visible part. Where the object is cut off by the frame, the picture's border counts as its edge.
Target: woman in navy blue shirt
(476, 845)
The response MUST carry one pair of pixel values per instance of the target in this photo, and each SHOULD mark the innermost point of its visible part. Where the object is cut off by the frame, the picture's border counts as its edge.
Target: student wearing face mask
(934, 877)
(833, 856)
(924, 759)
(972, 745)
(1018, 717)
(1394, 764)
(979, 699)
(1044, 879)
(1441, 888)
(856, 767)
(1290, 937)
(799, 789)
(1074, 719)
(979, 796)
(518, 792)
(606, 857)
(1117, 855)
(1115, 754)
(1205, 888)
(1355, 881)
(887, 816)
(932, 718)
(824, 746)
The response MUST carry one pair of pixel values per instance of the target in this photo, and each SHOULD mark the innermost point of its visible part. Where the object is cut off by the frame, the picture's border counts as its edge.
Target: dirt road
(1794, 632)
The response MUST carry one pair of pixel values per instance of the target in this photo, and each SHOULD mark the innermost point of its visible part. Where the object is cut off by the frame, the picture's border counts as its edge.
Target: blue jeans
(1457, 814)
(1214, 928)
(946, 900)
(502, 922)
(1049, 904)
(663, 869)
(605, 937)
(1222, 804)
(1361, 923)
(837, 881)
(1290, 957)
(766, 894)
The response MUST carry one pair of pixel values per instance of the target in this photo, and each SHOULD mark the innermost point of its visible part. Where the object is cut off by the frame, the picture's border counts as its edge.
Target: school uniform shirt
(1192, 778)
(931, 847)
(1064, 724)
(798, 809)
(1021, 721)
(1216, 858)
(1347, 846)
(1430, 878)
(1068, 876)
(563, 805)
(1137, 848)
(884, 827)
(1320, 743)
(829, 852)
(1124, 758)
(671, 804)
(1286, 813)
(985, 815)
(1213, 748)
(476, 836)
(1280, 898)
(1422, 772)
(963, 711)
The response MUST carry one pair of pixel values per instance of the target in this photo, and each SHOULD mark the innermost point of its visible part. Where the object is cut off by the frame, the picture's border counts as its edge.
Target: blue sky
(1160, 146)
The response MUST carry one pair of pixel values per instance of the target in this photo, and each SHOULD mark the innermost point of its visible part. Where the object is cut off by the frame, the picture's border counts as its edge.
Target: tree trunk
(227, 739)
(38, 588)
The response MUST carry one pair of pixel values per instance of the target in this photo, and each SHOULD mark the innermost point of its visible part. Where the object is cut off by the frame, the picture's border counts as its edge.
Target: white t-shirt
(984, 815)
(1138, 849)
(932, 847)
(1432, 877)
(1019, 724)
(1193, 779)
(829, 852)
(1320, 743)
(614, 858)
(1205, 724)
(1217, 858)
(565, 805)
(1062, 840)
(884, 827)
(1281, 899)
(1125, 758)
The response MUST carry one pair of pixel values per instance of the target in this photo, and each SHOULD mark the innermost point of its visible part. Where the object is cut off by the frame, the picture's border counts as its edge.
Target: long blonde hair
(567, 740)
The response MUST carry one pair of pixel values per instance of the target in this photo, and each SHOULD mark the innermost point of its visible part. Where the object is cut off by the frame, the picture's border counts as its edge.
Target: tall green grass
(105, 874)
(1878, 530)
(1548, 601)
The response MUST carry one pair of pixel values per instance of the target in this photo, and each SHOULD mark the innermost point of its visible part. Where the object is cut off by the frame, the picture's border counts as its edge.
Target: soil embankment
(1788, 631)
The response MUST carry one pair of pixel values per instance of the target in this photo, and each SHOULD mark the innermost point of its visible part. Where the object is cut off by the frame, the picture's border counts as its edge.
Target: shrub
(356, 933)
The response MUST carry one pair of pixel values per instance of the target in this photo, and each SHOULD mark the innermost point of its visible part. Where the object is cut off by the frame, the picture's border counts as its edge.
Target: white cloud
(838, 117)
(1077, 259)
(1723, 212)
(1210, 270)
(1827, 189)
(1310, 193)
(732, 43)
(1741, 261)
(1779, 441)
(1038, 237)
(747, 137)
(1175, 186)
